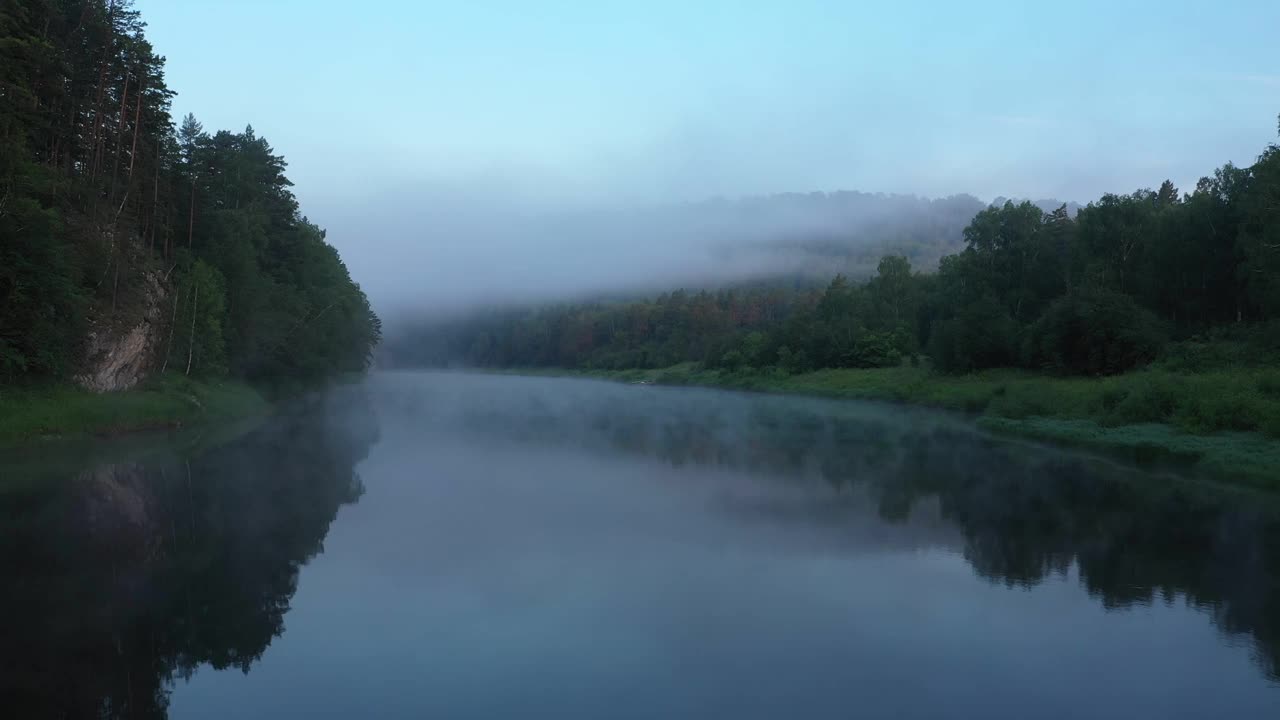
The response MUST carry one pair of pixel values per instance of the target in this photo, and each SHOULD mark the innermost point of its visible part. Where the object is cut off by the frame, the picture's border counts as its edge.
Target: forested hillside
(115, 224)
(817, 234)
(1098, 292)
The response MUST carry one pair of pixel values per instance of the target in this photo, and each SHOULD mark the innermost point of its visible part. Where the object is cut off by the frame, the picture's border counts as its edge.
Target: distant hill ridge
(822, 233)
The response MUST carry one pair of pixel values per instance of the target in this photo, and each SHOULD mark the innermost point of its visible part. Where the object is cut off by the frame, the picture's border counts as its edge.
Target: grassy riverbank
(1224, 423)
(167, 402)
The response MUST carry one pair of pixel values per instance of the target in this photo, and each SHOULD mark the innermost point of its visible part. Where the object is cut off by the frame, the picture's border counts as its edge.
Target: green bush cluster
(1093, 332)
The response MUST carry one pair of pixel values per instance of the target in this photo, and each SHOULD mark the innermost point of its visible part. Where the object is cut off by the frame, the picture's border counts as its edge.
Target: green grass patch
(167, 402)
(1248, 458)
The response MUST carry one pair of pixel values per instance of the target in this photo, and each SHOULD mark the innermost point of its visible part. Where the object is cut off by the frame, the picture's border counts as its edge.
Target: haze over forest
(542, 155)
(514, 255)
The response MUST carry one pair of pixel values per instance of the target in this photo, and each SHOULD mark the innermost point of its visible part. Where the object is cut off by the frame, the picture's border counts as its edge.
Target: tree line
(1096, 293)
(103, 200)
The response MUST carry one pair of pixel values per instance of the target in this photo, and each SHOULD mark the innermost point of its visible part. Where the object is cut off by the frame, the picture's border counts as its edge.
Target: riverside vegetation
(1216, 422)
(182, 251)
(1147, 323)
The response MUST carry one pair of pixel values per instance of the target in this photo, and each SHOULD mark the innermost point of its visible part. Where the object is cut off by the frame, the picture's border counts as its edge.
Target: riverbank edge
(1007, 403)
(30, 414)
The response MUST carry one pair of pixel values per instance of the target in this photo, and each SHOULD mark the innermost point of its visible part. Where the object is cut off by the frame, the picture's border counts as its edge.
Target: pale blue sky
(588, 103)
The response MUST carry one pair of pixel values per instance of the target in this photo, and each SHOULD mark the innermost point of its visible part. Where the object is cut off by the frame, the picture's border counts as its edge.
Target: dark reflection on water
(1024, 512)
(542, 547)
(124, 575)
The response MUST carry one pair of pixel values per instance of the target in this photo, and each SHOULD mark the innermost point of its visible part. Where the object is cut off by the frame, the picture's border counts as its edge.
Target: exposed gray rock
(120, 357)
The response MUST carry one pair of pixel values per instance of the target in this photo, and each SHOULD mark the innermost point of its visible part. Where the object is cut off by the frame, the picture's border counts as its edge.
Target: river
(475, 546)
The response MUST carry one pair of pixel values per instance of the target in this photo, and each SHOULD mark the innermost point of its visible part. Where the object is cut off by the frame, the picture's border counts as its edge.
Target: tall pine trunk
(191, 213)
(95, 137)
(133, 155)
(155, 199)
(115, 164)
(191, 343)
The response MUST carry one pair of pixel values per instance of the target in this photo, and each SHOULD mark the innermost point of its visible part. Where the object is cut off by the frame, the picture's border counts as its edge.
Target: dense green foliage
(1093, 332)
(1095, 294)
(100, 199)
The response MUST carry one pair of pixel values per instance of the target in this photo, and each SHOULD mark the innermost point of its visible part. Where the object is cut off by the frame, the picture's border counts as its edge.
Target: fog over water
(472, 546)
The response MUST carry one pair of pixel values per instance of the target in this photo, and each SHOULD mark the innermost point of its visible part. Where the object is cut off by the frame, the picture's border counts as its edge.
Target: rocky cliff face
(122, 351)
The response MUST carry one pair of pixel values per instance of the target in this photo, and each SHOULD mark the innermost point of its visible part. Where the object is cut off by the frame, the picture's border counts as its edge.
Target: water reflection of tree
(1024, 513)
(130, 575)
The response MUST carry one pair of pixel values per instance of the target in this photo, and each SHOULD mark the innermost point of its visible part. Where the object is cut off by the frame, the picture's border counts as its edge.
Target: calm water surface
(464, 546)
